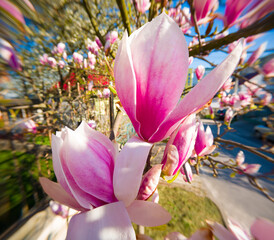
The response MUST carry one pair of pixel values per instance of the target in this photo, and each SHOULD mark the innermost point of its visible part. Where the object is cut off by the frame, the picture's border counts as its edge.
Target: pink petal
(150, 182)
(175, 236)
(90, 163)
(202, 234)
(157, 64)
(201, 94)
(125, 80)
(148, 214)
(56, 192)
(13, 10)
(220, 231)
(170, 160)
(129, 167)
(103, 223)
(65, 178)
(262, 229)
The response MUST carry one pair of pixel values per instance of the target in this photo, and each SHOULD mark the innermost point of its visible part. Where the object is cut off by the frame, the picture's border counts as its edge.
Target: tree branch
(245, 147)
(263, 25)
(123, 9)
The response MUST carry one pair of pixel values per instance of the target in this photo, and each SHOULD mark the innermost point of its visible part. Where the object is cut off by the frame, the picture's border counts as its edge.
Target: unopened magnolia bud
(172, 160)
(150, 182)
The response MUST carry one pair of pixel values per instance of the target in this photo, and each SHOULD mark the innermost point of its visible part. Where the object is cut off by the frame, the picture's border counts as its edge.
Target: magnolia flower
(90, 85)
(268, 68)
(59, 209)
(228, 115)
(261, 229)
(92, 46)
(12, 10)
(112, 37)
(247, 168)
(65, 56)
(190, 60)
(77, 57)
(43, 59)
(187, 172)
(257, 11)
(25, 126)
(61, 47)
(106, 92)
(149, 182)
(101, 183)
(233, 10)
(146, 63)
(200, 71)
(228, 85)
(180, 146)
(142, 5)
(91, 58)
(92, 124)
(97, 40)
(8, 53)
(61, 63)
(204, 141)
(51, 61)
(202, 9)
(256, 54)
(267, 98)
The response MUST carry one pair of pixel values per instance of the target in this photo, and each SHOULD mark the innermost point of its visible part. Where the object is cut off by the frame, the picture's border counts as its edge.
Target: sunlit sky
(217, 56)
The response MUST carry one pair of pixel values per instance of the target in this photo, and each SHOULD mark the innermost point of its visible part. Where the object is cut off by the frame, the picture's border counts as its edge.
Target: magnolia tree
(111, 185)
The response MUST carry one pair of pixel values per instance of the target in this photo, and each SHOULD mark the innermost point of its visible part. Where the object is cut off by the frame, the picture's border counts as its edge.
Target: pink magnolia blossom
(187, 172)
(240, 158)
(247, 168)
(155, 197)
(267, 98)
(233, 10)
(43, 59)
(92, 124)
(228, 85)
(77, 57)
(142, 5)
(146, 64)
(112, 37)
(268, 68)
(202, 8)
(8, 53)
(101, 183)
(149, 182)
(85, 63)
(12, 10)
(106, 92)
(65, 56)
(61, 64)
(258, 10)
(180, 146)
(261, 229)
(228, 115)
(90, 85)
(200, 71)
(97, 40)
(59, 209)
(190, 60)
(52, 62)
(256, 54)
(92, 46)
(204, 141)
(61, 47)
(91, 58)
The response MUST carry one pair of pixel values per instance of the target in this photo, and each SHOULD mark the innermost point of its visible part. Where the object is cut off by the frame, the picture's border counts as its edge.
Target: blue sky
(217, 57)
